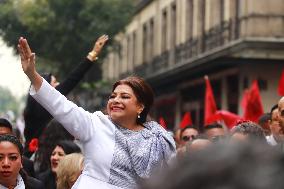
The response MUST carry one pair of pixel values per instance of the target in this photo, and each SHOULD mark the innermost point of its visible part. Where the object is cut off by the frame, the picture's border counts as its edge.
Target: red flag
(252, 103)
(186, 120)
(162, 122)
(33, 145)
(281, 84)
(229, 118)
(210, 105)
(245, 99)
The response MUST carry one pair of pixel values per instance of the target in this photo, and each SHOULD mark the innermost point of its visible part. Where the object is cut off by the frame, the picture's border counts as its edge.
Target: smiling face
(57, 154)
(123, 106)
(11, 163)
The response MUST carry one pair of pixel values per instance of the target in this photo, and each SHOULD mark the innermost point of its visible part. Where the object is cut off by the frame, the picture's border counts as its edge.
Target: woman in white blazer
(120, 148)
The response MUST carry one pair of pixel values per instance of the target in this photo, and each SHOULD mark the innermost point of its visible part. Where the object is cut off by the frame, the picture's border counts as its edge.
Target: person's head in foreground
(247, 131)
(229, 166)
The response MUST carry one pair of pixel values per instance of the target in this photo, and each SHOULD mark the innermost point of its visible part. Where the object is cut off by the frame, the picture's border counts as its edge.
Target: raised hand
(97, 47)
(100, 43)
(27, 57)
(28, 63)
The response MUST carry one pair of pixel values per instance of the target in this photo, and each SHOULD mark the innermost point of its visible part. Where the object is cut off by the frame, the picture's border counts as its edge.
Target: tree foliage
(8, 101)
(62, 32)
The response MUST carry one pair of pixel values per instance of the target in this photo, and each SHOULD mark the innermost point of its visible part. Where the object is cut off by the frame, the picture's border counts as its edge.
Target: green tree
(61, 32)
(8, 101)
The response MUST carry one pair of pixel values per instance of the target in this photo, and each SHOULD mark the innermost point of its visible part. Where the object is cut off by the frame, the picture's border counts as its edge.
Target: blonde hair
(69, 169)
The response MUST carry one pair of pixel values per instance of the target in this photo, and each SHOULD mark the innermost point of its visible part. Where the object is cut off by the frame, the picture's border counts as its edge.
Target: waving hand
(28, 63)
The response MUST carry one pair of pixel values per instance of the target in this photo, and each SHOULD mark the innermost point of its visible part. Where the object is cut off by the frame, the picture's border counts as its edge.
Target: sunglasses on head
(187, 138)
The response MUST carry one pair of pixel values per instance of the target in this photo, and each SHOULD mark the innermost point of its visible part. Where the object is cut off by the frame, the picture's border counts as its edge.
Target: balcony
(218, 36)
(186, 51)
(191, 49)
(223, 40)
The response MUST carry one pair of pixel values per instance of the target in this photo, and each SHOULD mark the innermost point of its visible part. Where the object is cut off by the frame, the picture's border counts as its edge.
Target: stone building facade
(174, 43)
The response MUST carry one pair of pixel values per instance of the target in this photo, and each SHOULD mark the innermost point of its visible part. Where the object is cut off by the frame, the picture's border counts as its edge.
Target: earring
(138, 116)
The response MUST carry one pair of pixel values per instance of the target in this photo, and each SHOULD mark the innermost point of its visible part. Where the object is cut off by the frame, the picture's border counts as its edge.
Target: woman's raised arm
(28, 63)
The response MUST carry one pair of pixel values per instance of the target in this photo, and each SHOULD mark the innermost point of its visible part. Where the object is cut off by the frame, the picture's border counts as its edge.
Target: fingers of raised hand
(20, 51)
(25, 48)
(25, 51)
(101, 41)
(103, 38)
(32, 57)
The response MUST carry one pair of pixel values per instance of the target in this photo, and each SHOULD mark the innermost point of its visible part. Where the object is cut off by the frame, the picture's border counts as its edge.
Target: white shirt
(114, 157)
(20, 183)
(271, 140)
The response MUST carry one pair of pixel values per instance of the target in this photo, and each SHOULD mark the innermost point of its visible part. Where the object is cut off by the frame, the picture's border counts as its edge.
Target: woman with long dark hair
(61, 149)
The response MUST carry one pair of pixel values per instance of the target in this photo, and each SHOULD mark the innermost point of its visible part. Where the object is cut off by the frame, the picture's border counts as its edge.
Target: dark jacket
(36, 117)
(28, 166)
(48, 179)
(32, 183)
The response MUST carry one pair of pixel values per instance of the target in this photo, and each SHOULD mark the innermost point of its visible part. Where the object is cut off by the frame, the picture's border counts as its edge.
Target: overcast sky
(11, 74)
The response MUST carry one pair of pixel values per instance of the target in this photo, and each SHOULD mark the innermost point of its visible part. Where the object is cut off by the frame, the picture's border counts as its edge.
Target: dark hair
(264, 118)
(5, 123)
(53, 133)
(188, 127)
(272, 109)
(212, 126)
(69, 147)
(143, 93)
(47, 77)
(263, 121)
(251, 129)
(13, 139)
(232, 166)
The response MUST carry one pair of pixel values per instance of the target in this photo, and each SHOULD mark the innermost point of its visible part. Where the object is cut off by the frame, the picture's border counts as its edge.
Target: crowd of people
(68, 147)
